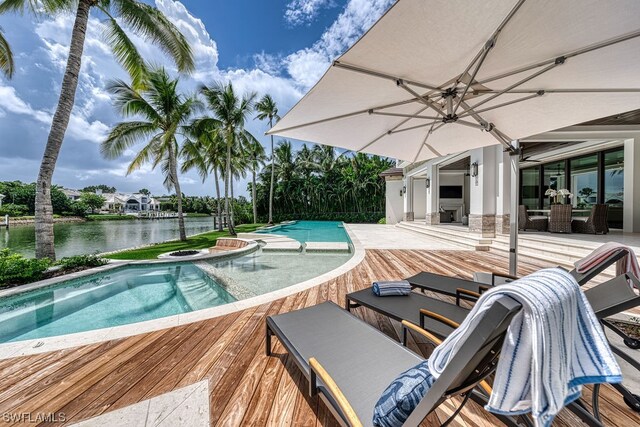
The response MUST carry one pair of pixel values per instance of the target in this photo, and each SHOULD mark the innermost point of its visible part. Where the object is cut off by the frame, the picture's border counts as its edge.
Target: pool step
(273, 242)
(237, 290)
(340, 247)
(198, 292)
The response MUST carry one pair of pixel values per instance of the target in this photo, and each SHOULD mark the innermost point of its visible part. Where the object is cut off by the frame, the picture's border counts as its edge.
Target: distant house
(127, 203)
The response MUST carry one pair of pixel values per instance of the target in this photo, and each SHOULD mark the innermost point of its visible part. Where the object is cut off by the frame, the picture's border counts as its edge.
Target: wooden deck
(245, 387)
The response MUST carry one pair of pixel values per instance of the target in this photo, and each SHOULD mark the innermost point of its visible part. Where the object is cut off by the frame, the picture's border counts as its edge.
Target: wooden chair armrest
(316, 369)
(483, 288)
(424, 333)
(435, 316)
(485, 387)
(467, 292)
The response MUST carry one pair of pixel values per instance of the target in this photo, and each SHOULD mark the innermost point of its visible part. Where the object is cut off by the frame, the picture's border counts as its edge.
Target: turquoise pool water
(118, 297)
(311, 231)
(145, 292)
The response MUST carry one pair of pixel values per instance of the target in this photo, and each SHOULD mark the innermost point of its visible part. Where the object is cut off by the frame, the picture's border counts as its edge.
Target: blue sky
(280, 47)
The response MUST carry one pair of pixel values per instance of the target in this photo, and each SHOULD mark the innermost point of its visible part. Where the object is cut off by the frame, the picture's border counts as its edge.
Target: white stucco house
(127, 203)
(598, 162)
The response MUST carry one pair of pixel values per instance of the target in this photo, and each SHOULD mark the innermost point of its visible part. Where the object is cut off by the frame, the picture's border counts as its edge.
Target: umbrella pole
(514, 157)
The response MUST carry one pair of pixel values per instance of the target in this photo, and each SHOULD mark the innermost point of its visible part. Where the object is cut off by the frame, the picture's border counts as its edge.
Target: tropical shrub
(78, 261)
(16, 269)
(92, 200)
(382, 221)
(78, 208)
(13, 210)
(320, 183)
(20, 193)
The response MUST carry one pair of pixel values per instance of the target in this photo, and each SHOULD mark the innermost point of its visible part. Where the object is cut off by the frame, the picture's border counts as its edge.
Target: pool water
(264, 272)
(118, 297)
(311, 231)
(145, 292)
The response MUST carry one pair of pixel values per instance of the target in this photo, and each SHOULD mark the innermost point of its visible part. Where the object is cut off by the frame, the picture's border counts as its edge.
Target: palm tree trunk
(233, 221)
(253, 196)
(273, 177)
(227, 181)
(44, 210)
(176, 186)
(219, 203)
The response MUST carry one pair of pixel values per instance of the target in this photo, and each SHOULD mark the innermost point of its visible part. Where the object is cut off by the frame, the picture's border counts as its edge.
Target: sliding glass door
(584, 181)
(614, 186)
(530, 187)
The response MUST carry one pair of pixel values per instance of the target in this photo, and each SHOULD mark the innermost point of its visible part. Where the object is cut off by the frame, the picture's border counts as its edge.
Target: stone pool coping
(42, 345)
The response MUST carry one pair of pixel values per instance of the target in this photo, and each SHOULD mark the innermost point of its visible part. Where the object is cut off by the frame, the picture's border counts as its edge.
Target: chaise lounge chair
(468, 289)
(609, 298)
(349, 363)
(441, 318)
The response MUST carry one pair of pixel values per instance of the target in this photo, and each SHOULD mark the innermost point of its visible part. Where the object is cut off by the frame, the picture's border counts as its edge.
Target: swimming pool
(117, 297)
(311, 231)
(138, 293)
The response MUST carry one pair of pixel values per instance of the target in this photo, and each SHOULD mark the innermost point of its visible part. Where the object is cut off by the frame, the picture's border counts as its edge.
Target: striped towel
(385, 289)
(627, 264)
(553, 346)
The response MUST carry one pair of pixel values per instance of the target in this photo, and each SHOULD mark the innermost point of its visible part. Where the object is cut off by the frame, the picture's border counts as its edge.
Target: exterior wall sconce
(474, 169)
(428, 183)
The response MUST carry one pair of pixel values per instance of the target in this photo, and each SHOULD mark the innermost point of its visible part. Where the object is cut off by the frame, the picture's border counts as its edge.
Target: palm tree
(139, 18)
(267, 109)
(165, 112)
(257, 158)
(6, 56)
(204, 151)
(230, 114)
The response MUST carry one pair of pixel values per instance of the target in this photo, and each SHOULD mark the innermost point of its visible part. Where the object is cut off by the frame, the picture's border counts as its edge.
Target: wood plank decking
(245, 386)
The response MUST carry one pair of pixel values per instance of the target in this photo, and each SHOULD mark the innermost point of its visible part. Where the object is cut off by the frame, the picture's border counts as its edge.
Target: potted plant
(557, 197)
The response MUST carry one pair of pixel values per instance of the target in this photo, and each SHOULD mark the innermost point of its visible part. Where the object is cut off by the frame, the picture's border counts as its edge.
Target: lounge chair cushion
(384, 289)
(402, 396)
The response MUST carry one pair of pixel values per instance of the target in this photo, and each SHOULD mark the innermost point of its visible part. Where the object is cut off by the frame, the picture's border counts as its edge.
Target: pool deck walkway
(215, 372)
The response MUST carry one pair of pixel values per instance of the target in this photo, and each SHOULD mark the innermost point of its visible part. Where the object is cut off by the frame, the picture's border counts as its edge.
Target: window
(554, 178)
(584, 181)
(614, 186)
(531, 187)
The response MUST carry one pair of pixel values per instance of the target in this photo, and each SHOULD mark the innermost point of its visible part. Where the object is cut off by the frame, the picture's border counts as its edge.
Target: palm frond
(37, 7)
(151, 24)
(130, 102)
(125, 135)
(6, 57)
(125, 52)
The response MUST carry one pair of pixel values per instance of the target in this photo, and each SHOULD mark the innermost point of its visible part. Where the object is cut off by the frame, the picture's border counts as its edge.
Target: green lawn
(200, 241)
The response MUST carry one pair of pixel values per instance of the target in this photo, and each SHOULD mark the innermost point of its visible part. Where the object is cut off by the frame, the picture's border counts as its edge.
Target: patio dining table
(547, 211)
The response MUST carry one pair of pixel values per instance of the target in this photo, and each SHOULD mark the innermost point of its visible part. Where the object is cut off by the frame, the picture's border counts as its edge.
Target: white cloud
(299, 12)
(32, 95)
(306, 66)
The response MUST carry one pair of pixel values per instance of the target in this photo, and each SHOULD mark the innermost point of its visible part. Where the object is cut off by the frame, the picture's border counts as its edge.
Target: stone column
(632, 185)
(503, 192)
(432, 216)
(408, 199)
(482, 212)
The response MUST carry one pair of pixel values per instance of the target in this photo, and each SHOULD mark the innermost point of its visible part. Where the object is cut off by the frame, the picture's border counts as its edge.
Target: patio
(222, 363)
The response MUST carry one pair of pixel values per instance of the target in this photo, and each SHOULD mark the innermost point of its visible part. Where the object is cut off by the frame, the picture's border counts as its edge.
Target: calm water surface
(76, 238)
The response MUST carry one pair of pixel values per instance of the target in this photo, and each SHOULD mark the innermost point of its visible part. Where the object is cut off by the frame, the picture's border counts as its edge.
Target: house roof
(391, 172)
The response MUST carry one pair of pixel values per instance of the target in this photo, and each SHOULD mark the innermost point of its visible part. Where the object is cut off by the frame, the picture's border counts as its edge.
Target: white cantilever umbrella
(434, 77)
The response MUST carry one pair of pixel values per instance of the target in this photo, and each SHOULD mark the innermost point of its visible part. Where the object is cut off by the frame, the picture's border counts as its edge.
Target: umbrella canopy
(434, 77)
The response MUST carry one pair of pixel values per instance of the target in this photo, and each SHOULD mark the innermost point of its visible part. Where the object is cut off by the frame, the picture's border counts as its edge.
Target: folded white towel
(553, 346)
